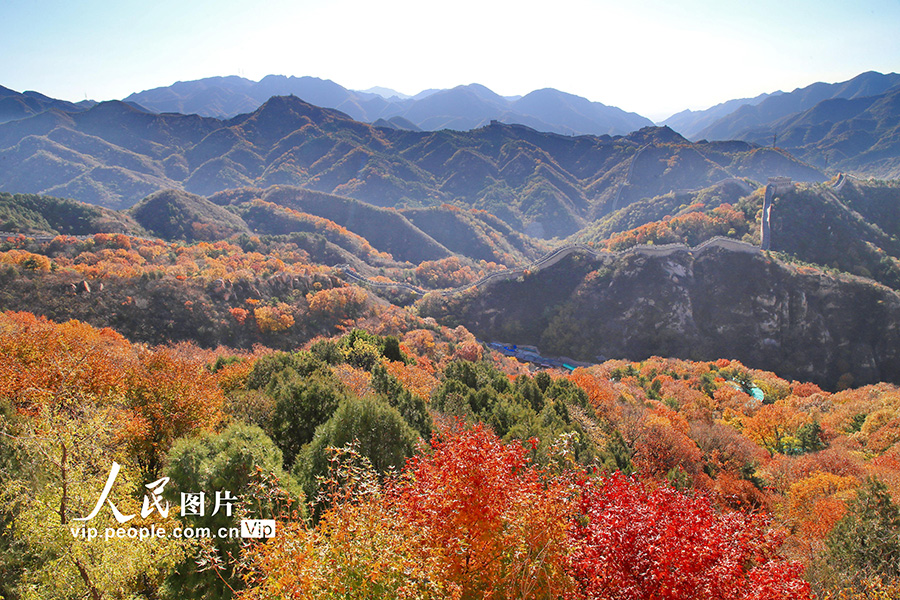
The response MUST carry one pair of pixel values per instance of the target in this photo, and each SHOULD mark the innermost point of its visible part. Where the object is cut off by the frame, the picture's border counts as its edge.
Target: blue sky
(653, 57)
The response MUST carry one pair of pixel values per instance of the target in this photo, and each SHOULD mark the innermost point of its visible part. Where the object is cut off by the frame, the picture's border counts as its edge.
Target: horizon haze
(652, 58)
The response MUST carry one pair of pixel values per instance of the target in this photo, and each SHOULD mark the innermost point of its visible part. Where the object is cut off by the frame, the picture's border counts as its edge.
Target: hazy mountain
(543, 183)
(461, 108)
(396, 123)
(749, 117)
(15, 105)
(425, 93)
(386, 93)
(690, 122)
(861, 135)
(577, 114)
(225, 97)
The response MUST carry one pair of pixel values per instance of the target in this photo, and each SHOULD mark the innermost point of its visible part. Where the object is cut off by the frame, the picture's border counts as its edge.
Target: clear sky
(654, 57)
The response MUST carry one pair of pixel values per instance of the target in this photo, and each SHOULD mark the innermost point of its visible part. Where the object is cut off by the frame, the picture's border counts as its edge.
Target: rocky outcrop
(798, 322)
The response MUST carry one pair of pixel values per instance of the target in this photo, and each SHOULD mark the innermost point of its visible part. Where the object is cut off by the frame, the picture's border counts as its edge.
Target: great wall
(775, 187)
(553, 257)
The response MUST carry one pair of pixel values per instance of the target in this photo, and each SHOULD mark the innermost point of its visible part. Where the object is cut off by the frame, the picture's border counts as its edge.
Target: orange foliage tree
(336, 304)
(271, 319)
(774, 427)
(168, 396)
(445, 273)
(362, 547)
(814, 505)
(662, 447)
(45, 361)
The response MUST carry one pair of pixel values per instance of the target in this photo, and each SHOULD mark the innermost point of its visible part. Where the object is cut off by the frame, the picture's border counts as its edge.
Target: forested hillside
(622, 293)
(293, 355)
(750, 481)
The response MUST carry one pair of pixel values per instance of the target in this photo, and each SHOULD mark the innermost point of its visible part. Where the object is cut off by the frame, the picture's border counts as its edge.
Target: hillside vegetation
(746, 481)
(34, 214)
(798, 315)
(546, 185)
(175, 215)
(798, 321)
(287, 316)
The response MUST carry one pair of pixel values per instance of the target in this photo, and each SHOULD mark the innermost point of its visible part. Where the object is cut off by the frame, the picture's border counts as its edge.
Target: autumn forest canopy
(482, 363)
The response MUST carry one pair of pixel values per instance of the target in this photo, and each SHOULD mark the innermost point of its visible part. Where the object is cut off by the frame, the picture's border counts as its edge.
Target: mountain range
(689, 123)
(632, 218)
(461, 108)
(776, 310)
(545, 184)
(754, 115)
(849, 126)
(846, 126)
(19, 105)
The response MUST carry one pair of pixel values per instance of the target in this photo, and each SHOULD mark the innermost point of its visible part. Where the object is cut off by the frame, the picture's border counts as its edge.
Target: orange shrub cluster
(162, 394)
(691, 229)
(118, 255)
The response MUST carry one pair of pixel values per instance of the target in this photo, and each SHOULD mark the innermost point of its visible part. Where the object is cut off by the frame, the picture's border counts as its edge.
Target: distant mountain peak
(287, 107)
(461, 108)
(289, 102)
(19, 105)
(386, 93)
(115, 107)
(280, 115)
(657, 135)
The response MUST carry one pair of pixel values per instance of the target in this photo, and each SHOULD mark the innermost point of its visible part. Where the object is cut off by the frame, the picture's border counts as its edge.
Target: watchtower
(775, 188)
(782, 184)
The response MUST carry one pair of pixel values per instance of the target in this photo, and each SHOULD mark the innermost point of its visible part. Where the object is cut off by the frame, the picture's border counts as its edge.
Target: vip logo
(257, 528)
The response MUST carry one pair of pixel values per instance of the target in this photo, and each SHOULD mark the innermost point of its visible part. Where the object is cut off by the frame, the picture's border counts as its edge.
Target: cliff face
(702, 305)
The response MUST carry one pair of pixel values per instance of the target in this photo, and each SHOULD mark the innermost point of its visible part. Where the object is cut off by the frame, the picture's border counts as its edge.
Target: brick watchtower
(775, 187)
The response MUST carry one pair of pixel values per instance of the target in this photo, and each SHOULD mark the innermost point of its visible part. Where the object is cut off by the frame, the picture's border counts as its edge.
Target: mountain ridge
(462, 107)
(544, 183)
(690, 122)
(771, 109)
